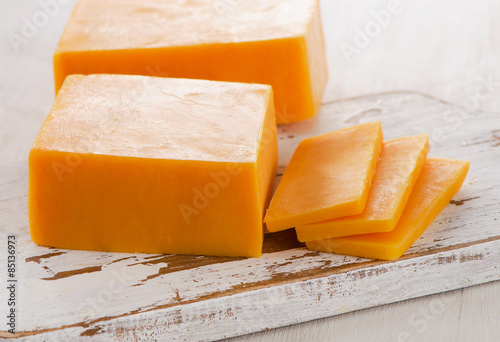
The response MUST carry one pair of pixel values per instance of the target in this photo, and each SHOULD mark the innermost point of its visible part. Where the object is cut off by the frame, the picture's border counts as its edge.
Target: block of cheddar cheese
(438, 182)
(279, 43)
(328, 176)
(147, 164)
(400, 164)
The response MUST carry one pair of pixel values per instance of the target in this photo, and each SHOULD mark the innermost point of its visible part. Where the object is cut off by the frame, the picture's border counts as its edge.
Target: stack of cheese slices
(350, 192)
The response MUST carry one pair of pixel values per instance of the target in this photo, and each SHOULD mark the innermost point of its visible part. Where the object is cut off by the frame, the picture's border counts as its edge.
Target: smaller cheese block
(156, 165)
(328, 176)
(438, 182)
(279, 43)
(400, 164)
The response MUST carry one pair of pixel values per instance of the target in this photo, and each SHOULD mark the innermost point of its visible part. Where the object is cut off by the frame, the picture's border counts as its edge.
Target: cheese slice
(157, 165)
(277, 42)
(397, 171)
(328, 176)
(438, 182)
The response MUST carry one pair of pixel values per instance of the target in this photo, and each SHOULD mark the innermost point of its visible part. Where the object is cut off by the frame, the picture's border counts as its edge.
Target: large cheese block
(438, 182)
(400, 164)
(278, 42)
(159, 165)
(329, 176)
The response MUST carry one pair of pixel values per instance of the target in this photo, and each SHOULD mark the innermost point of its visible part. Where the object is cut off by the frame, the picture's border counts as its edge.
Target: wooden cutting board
(66, 294)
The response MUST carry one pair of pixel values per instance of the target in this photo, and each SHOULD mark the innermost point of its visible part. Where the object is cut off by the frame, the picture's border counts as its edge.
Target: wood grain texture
(93, 295)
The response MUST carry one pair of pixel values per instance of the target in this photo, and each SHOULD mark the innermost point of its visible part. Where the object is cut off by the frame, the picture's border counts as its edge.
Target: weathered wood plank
(94, 294)
(275, 306)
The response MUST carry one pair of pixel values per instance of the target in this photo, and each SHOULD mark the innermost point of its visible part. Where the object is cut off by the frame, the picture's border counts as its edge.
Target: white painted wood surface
(440, 48)
(79, 294)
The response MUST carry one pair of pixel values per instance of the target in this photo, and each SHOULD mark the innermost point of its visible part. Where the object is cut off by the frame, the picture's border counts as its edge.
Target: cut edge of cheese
(440, 176)
(113, 225)
(267, 156)
(316, 56)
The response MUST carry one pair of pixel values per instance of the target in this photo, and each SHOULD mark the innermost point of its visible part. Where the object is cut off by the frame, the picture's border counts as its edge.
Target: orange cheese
(328, 176)
(397, 171)
(269, 42)
(438, 182)
(158, 165)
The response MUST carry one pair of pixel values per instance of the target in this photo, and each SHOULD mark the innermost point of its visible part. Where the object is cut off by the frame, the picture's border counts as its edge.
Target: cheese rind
(183, 167)
(438, 182)
(400, 164)
(328, 176)
(279, 43)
